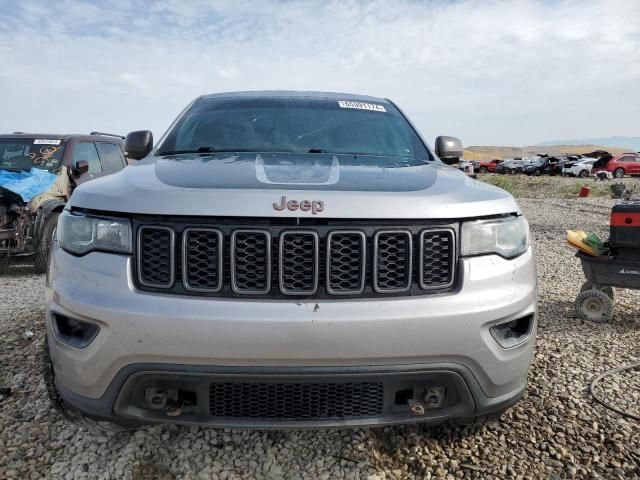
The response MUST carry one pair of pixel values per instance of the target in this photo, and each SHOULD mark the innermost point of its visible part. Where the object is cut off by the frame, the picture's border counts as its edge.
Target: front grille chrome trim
(172, 270)
(234, 285)
(363, 262)
(185, 273)
(376, 287)
(316, 257)
(452, 259)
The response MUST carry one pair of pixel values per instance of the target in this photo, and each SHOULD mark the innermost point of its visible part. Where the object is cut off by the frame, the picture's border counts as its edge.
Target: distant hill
(627, 143)
(491, 152)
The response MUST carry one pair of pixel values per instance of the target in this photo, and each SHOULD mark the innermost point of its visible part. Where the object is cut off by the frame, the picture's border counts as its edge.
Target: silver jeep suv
(286, 259)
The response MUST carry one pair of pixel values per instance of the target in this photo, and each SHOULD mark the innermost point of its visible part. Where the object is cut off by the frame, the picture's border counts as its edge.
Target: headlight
(508, 237)
(80, 234)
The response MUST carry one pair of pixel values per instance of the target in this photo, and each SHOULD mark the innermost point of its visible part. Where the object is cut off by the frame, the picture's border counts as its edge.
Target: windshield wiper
(206, 150)
(316, 150)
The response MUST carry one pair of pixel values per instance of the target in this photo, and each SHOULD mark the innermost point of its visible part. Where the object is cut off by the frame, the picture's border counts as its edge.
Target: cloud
(491, 72)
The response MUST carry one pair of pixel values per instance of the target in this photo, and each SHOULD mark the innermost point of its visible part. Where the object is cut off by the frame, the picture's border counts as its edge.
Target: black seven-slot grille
(283, 261)
(296, 401)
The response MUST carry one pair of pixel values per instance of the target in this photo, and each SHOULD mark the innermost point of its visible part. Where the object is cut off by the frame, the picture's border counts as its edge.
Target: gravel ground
(556, 431)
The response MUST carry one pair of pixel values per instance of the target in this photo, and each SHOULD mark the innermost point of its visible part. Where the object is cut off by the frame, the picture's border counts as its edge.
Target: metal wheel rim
(593, 307)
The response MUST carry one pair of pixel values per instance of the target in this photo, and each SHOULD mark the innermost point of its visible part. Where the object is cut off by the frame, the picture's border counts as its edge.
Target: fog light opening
(424, 399)
(73, 332)
(170, 400)
(512, 333)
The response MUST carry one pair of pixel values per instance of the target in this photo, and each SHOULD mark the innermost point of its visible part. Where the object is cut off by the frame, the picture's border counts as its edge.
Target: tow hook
(434, 397)
(171, 401)
(429, 398)
(416, 407)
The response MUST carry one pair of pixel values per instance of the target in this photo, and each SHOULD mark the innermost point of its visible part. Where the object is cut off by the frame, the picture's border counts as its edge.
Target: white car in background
(581, 168)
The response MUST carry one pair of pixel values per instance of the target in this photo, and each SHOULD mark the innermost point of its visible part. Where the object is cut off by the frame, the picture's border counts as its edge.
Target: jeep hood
(248, 184)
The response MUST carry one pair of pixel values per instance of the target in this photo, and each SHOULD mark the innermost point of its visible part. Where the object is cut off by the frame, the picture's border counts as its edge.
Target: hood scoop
(298, 171)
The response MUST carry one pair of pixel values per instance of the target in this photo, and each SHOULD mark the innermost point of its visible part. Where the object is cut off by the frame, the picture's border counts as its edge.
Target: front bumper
(146, 337)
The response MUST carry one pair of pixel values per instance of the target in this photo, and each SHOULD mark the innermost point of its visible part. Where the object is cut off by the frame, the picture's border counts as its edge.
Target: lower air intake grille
(296, 401)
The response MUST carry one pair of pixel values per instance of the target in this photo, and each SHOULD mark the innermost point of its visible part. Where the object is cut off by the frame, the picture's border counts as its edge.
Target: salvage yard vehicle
(466, 165)
(618, 165)
(490, 166)
(510, 166)
(37, 175)
(287, 259)
(581, 168)
(542, 164)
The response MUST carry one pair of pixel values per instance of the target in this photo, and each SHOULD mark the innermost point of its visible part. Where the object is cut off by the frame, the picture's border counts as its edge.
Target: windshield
(296, 125)
(18, 154)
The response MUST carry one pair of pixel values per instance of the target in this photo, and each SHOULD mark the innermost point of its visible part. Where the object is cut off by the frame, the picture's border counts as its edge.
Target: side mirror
(81, 167)
(449, 149)
(138, 144)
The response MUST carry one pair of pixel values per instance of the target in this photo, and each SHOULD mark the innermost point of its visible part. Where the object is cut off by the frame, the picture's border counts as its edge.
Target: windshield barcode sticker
(361, 106)
(46, 141)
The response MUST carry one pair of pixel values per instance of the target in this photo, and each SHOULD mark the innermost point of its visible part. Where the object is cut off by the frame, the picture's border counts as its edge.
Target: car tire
(590, 286)
(43, 250)
(482, 169)
(512, 171)
(537, 173)
(594, 306)
(583, 173)
(618, 172)
(71, 413)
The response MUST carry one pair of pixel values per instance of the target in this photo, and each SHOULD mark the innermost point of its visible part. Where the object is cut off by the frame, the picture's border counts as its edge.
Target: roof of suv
(295, 94)
(81, 136)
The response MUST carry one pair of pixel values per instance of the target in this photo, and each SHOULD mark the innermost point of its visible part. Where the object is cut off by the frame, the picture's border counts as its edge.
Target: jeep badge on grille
(315, 206)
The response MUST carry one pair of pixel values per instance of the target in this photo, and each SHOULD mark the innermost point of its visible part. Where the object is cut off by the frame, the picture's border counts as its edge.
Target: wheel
(594, 306)
(537, 172)
(618, 172)
(589, 286)
(584, 173)
(43, 249)
(482, 169)
(512, 171)
(70, 413)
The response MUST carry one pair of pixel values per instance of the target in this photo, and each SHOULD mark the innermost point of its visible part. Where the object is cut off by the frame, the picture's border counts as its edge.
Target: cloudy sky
(491, 72)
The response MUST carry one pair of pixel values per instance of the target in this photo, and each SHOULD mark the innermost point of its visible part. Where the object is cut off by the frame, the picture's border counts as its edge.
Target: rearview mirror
(449, 149)
(138, 144)
(81, 167)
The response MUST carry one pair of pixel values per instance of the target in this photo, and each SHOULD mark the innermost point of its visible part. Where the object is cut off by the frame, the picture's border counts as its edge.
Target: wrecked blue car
(37, 176)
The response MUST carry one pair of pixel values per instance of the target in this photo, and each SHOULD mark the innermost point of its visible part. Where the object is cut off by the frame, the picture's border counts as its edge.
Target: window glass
(296, 125)
(111, 157)
(18, 154)
(626, 159)
(87, 151)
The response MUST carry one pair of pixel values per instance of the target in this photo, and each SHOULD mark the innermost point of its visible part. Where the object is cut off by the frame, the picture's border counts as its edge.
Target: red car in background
(490, 166)
(619, 165)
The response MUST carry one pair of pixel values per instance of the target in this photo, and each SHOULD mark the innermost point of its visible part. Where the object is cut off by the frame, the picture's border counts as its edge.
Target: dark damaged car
(38, 172)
